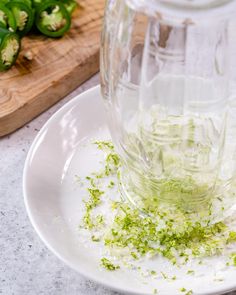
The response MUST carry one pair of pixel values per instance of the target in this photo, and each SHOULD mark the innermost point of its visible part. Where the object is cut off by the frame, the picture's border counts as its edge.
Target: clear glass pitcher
(165, 82)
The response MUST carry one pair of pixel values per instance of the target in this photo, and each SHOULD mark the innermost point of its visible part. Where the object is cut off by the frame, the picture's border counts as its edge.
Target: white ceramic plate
(54, 203)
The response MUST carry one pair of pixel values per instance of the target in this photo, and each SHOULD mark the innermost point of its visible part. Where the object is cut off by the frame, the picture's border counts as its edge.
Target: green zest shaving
(232, 237)
(105, 145)
(164, 275)
(108, 264)
(233, 257)
(183, 290)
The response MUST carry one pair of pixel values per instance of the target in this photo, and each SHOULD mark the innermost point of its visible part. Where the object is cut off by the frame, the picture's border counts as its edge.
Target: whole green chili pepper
(24, 15)
(9, 48)
(52, 18)
(7, 19)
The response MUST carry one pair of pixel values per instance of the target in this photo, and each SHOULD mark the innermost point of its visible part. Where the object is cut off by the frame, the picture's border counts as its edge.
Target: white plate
(54, 203)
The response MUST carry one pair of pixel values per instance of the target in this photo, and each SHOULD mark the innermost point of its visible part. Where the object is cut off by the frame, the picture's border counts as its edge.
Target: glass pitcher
(165, 83)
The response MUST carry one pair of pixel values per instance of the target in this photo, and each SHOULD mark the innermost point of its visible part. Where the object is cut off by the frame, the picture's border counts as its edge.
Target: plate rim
(37, 228)
(26, 197)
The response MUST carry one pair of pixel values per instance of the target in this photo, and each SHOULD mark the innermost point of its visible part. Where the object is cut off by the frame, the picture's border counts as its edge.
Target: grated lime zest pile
(170, 234)
(146, 236)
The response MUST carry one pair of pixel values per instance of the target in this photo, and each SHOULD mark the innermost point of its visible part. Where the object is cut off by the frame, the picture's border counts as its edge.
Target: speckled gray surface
(27, 267)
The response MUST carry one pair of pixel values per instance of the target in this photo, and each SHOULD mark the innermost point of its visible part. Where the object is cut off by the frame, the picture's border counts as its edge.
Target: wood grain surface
(58, 66)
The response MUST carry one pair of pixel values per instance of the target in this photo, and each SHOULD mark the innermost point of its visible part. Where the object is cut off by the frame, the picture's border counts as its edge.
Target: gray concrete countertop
(27, 267)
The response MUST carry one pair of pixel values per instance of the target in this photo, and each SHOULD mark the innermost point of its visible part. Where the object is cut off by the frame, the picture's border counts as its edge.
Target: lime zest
(164, 275)
(95, 239)
(154, 234)
(183, 290)
(104, 145)
(232, 237)
(111, 184)
(107, 264)
(93, 201)
(233, 258)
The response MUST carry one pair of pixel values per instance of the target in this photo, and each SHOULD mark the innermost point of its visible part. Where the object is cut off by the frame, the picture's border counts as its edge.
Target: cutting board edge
(37, 105)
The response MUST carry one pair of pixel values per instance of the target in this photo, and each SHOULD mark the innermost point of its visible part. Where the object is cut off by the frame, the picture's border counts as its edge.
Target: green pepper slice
(37, 2)
(5, 2)
(7, 19)
(52, 19)
(70, 5)
(24, 15)
(9, 48)
(27, 2)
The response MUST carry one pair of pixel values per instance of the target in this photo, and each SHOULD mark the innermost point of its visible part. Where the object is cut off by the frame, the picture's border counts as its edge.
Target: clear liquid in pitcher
(172, 150)
(165, 86)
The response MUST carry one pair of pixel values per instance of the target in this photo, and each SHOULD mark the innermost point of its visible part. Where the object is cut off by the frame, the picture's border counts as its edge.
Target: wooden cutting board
(58, 66)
